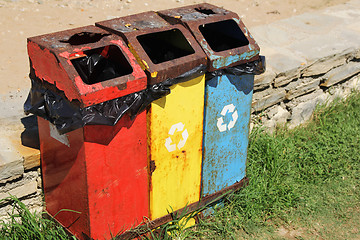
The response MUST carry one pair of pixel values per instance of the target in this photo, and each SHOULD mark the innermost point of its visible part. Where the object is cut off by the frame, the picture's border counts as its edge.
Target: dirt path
(20, 19)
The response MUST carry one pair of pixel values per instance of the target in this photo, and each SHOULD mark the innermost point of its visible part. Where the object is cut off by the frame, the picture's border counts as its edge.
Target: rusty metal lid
(164, 50)
(221, 33)
(64, 60)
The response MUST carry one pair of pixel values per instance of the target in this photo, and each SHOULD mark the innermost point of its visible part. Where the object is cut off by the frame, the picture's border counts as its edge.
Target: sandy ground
(20, 19)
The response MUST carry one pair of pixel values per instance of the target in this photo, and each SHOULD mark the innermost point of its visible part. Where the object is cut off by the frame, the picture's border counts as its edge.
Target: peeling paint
(220, 62)
(145, 64)
(55, 66)
(82, 49)
(65, 55)
(137, 57)
(154, 74)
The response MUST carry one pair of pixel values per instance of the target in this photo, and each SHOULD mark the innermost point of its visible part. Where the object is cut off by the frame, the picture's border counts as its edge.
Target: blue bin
(226, 130)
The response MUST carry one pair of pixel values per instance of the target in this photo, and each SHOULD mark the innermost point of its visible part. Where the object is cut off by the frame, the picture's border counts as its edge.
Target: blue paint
(225, 153)
(237, 20)
(220, 61)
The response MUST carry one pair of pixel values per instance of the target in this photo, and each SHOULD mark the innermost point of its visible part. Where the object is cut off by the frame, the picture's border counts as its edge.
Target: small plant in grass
(177, 229)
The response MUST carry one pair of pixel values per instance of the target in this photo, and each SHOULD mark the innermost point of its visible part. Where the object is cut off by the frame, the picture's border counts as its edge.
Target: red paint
(103, 175)
(64, 55)
(82, 49)
(105, 51)
(47, 68)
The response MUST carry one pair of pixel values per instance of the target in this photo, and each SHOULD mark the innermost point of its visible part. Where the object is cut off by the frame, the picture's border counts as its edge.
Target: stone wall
(291, 97)
(27, 187)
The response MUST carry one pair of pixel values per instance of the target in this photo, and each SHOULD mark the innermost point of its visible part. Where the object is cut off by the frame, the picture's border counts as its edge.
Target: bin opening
(101, 64)
(165, 46)
(84, 38)
(223, 35)
(204, 11)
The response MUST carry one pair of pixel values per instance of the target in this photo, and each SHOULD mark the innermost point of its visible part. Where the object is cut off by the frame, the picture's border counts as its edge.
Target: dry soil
(20, 19)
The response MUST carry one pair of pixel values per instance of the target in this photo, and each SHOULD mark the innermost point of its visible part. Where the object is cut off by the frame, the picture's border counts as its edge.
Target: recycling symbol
(220, 122)
(178, 127)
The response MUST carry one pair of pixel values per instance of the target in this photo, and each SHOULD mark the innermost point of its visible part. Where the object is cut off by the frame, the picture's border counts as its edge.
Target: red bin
(95, 177)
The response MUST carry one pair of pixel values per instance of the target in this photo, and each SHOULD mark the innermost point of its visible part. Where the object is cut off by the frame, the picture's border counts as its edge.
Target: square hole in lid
(101, 64)
(223, 35)
(165, 46)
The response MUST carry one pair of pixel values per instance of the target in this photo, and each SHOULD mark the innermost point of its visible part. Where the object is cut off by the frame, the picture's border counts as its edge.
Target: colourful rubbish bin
(227, 43)
(175, 122)
(95, 177)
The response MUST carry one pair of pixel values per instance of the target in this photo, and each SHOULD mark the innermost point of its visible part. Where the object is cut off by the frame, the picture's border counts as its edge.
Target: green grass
(304, 184)
(298, 178)
(23, 225)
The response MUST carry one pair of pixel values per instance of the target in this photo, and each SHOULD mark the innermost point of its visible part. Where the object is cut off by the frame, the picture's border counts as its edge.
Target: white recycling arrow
(227, 108)
(233, 121)
(182, 142)
(170, 147)
(220, 122)
(178, 127)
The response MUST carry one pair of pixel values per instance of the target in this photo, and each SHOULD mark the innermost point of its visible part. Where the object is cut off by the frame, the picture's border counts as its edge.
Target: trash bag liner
(256, 67)
(67, 116)
(96, 68)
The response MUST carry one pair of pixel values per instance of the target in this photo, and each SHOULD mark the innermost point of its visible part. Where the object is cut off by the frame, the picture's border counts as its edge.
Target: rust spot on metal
(150, 38)
(221, 54)
(84, 38)
(152, 166)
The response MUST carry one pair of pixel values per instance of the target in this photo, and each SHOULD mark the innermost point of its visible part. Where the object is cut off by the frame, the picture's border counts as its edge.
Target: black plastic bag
(67, 116)
(256, 67)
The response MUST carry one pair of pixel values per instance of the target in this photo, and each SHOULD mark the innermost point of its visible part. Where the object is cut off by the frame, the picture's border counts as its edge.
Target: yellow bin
(175, 127)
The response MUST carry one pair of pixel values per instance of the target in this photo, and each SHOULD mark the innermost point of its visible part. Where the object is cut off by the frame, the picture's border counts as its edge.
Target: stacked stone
(291, 97)
(26, 187)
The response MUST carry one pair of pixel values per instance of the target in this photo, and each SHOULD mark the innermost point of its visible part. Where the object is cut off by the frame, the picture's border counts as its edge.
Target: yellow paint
(175, 181)
(145, 64)
(154, 74)
(138, 59)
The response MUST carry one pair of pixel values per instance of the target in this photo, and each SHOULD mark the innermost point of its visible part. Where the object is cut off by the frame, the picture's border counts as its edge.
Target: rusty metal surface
(175, 129)
(196, 16)
(51, 58)
(226, 130)
(135, 26)
(205, 201)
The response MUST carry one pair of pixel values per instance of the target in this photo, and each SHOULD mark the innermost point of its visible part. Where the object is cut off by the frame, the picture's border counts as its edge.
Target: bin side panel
(226, 129)
(117, 175)
(175, 147)
(64, 178)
